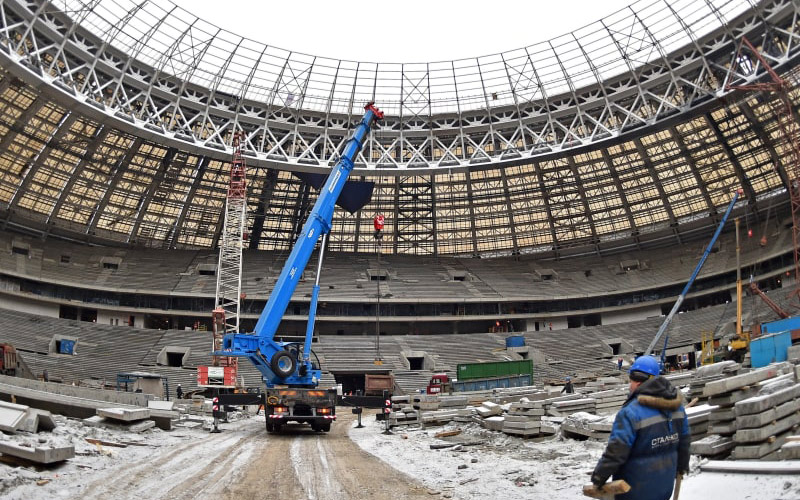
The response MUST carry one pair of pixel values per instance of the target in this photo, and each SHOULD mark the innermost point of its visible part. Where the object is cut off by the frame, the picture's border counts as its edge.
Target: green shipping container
(494, 369)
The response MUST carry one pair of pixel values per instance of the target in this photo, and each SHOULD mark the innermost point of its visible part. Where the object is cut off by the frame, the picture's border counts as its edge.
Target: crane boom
(287, 363)
(686, 288)
(770, 303)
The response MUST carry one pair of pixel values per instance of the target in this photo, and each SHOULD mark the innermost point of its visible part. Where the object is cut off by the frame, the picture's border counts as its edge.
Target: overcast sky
(401, 31)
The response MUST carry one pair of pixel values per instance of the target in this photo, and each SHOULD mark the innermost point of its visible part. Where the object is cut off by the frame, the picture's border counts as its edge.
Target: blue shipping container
(769, 349)
(781, 325)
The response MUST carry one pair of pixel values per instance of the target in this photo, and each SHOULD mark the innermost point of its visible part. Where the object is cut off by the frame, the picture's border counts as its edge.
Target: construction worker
(179, 392)
(568, 387)
(649, 442)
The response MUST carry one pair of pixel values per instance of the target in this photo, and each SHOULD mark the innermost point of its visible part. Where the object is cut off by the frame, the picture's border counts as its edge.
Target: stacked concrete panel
(524, 418)
(713, 445)
(764, 422)
(710, 373)
(723, 394)
(403, 412)
(609, 401)
(564, 408)
(585, 425)
(698, 420)
(445, 416)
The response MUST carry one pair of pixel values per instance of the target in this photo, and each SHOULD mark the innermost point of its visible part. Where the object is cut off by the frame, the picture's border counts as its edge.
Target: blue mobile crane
(290, 375)
(677, 305)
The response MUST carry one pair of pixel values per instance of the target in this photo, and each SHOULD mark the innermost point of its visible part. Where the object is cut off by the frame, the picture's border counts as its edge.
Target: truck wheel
(283, 364)
(325, 427)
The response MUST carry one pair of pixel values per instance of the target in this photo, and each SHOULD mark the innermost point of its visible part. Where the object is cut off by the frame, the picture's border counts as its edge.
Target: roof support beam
(701, 184)
(199, 172)
(120, 167)
(542, 189)
(656, 181)
(625, 204)
(744, 182)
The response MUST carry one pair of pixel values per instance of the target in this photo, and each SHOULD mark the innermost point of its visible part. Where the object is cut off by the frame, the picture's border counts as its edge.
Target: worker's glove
(598, 482)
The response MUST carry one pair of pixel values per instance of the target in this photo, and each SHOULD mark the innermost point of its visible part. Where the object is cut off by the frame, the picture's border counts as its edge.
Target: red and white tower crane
(224, 369)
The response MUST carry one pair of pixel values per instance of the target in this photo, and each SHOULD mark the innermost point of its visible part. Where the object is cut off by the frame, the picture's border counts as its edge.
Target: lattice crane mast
(790, 130)
(229, 272)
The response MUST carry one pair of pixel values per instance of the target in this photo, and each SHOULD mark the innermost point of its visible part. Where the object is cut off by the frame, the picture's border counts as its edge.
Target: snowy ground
(494, 465)
(514, 468)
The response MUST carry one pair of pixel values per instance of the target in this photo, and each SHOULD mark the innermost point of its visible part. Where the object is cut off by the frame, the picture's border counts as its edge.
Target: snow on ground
(92, 461)
(555, 468)
(494, 465)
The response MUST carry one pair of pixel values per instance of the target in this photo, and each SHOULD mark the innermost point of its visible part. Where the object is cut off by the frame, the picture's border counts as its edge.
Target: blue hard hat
(646, 364)
(568, 379)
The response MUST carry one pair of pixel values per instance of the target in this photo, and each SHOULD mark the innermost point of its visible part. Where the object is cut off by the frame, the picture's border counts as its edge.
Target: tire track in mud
(245, 462)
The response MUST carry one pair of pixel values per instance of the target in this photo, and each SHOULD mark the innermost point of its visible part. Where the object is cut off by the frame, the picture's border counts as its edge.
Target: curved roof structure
(116, 120)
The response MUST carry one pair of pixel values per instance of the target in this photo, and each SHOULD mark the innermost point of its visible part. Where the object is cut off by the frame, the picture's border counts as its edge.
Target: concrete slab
(723, 428)
(776, 384)
(189, 424)
(493, 408)
(790, 450)
(124, 414)
(11, 416)
(137, 426)
(733, 397)
(45, 419)
(738, 381)
(750, 466)
(724, 413)
(532, 424)
(161, 405)
(764, 433)
(522, 418)
(573, 403)
(716, 369)
(37, 420)
(522, 432)
(759, 450)
(493, 423)
(74, 406)
(761, 419)
(42, 454)
(712, 445)
(758, 404)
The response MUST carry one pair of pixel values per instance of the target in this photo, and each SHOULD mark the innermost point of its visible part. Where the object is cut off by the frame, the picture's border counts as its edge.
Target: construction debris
(39, 454)
(585, 425)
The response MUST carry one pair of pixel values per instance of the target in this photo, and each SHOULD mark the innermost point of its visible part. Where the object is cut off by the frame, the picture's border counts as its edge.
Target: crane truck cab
(8, 360)
(439, 384)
